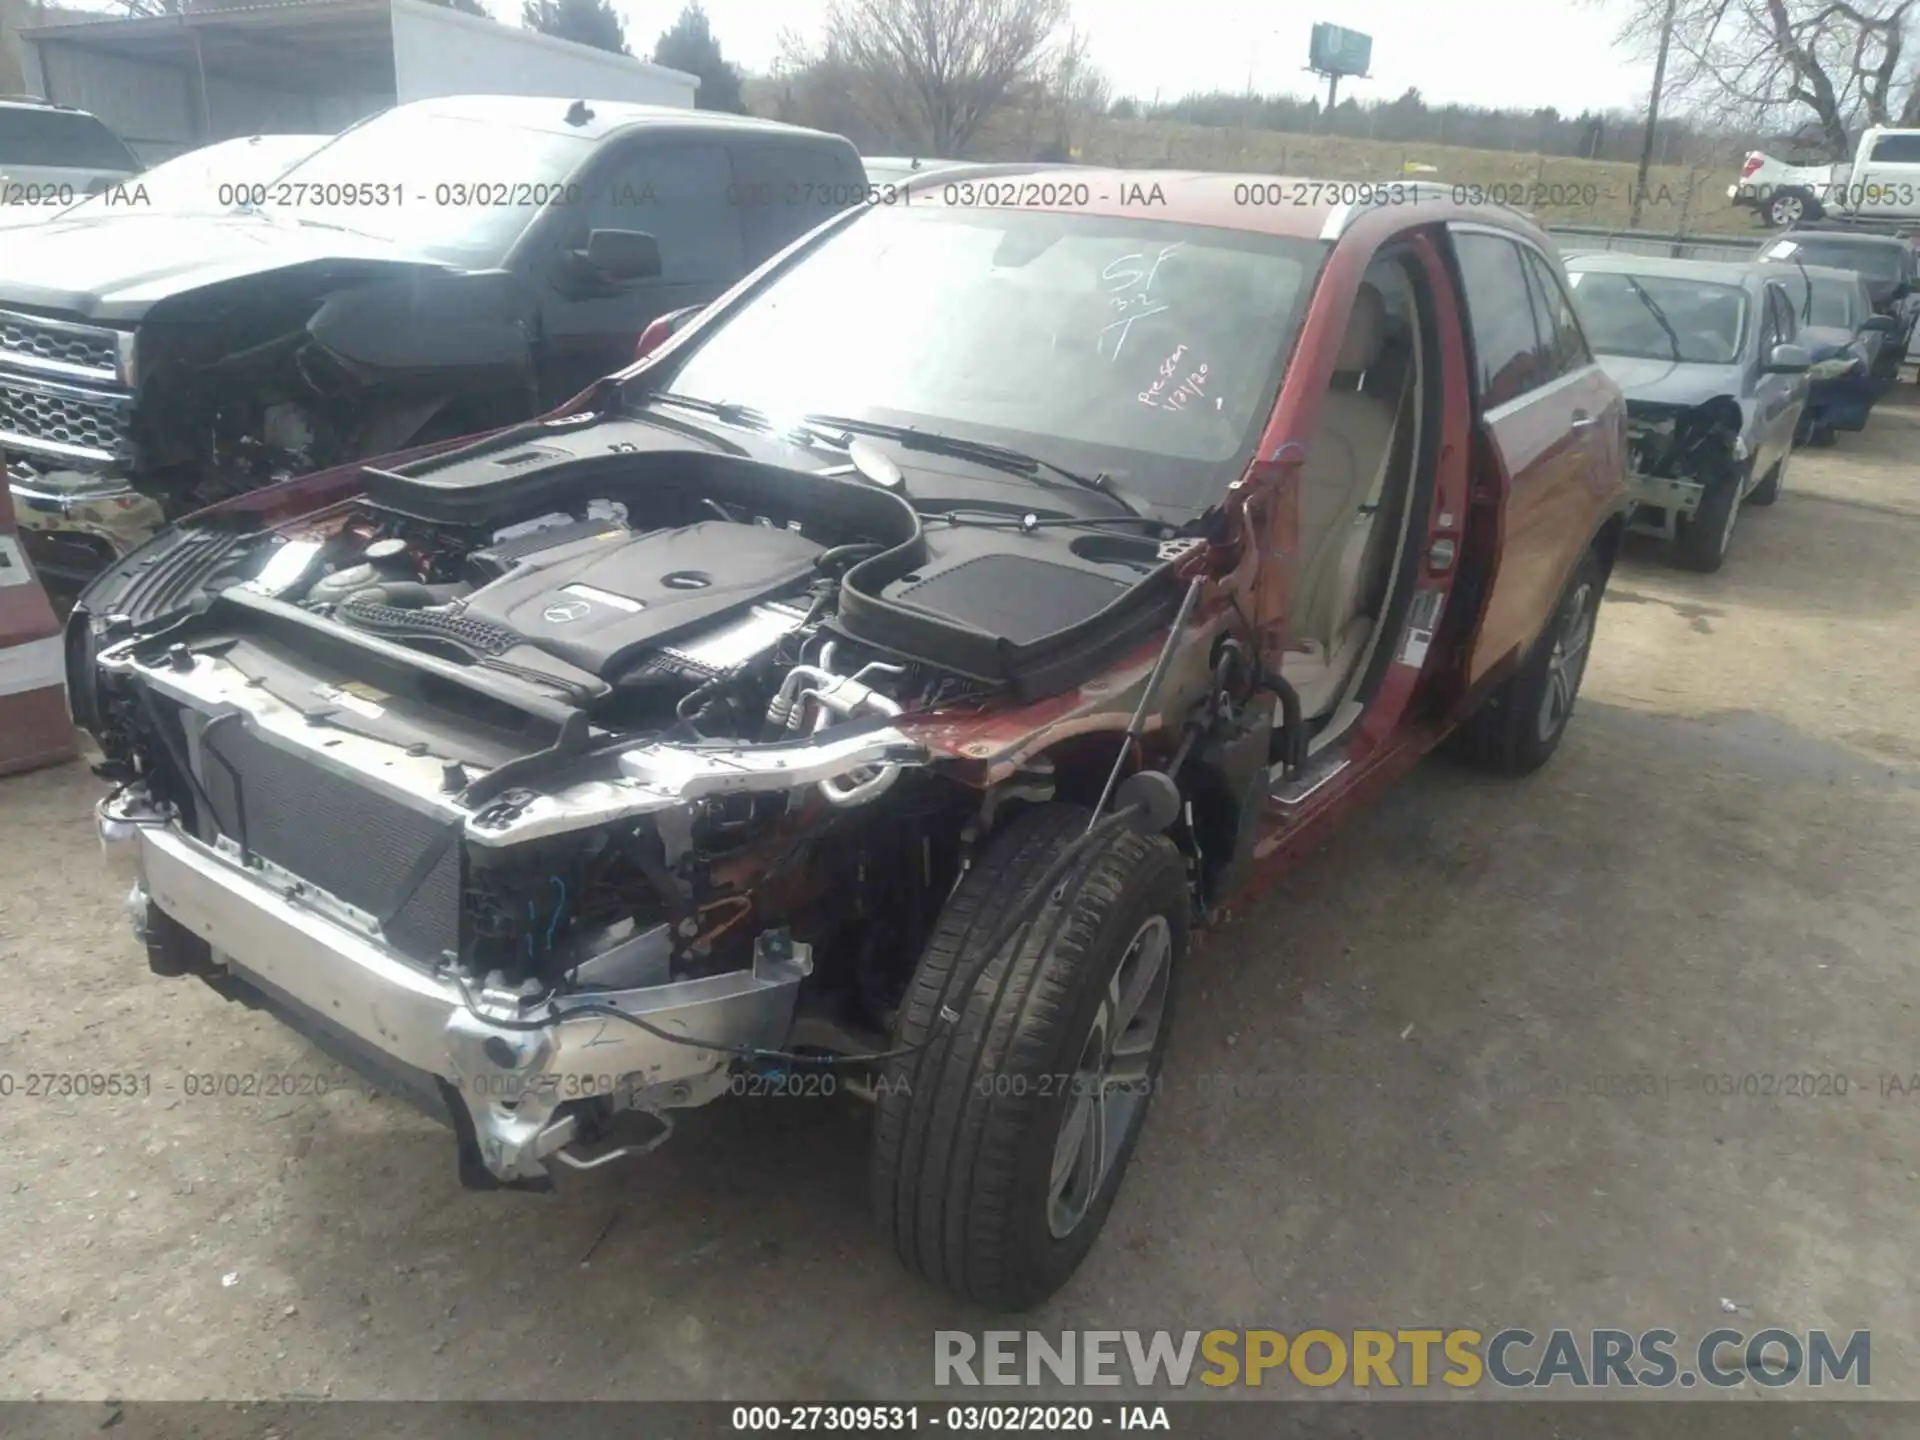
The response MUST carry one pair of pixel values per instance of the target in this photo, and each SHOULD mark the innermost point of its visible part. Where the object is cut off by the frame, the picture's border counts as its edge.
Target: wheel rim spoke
(1133, 985)
(1111, 1080)
(1566, 662)
(1067, 1149)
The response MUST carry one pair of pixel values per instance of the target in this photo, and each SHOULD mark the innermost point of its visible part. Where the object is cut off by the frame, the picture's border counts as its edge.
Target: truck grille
(41, 418)
(355, 842)
(59, 348)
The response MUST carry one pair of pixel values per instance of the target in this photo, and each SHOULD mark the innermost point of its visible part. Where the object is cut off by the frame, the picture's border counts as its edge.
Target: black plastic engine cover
(602, 603)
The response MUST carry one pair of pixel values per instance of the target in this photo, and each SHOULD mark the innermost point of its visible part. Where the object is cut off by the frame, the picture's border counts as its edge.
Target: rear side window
(1507, 350)
(60, 139)
(682, 194)
(1561, 333)
(785, 188)
(1897, 149)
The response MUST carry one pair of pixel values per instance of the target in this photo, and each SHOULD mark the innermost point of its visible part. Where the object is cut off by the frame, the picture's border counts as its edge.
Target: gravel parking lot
(1481, 1061)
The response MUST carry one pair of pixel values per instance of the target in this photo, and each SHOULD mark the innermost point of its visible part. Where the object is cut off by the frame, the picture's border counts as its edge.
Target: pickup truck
(52, 156)
(443, 267)
(1881, 182)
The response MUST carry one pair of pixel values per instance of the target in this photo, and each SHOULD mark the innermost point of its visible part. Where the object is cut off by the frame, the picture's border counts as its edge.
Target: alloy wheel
(1110, 1083)
(1567, 662)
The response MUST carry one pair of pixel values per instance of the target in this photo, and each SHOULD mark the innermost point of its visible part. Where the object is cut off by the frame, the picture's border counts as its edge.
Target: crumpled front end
(1675, 453)
(454, 949)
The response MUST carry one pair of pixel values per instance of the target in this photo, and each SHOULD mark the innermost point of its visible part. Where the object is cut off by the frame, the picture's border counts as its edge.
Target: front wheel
(1002, 1133)
(1703, 537)
(1768, 490)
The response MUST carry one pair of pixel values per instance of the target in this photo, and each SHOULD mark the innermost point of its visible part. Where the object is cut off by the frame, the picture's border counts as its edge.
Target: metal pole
(206, 109)
(1653, 115)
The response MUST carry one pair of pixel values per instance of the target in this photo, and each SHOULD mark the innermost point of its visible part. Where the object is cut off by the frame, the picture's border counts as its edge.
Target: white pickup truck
(1881, 182)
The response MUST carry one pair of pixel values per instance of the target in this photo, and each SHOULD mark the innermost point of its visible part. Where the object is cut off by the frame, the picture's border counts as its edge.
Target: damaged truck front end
(112, 430)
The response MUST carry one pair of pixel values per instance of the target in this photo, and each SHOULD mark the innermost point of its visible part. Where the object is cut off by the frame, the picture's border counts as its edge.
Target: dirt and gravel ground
(1403, 1090)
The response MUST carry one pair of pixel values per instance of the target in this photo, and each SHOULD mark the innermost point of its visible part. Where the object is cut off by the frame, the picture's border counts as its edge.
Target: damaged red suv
(875, 688)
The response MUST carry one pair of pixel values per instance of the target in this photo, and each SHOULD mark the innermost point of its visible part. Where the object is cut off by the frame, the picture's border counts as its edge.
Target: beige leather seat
(1341, 486)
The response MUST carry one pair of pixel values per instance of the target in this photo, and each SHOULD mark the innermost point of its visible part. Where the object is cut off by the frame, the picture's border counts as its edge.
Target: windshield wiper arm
(745, 416)
(1658, 314)
(1001, 457)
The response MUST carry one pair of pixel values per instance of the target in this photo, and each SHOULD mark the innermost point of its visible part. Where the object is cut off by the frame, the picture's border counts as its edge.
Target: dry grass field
(1558, 189)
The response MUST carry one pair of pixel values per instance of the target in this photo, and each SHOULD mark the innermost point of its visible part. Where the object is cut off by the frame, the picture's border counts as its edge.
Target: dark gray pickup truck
(445, 267)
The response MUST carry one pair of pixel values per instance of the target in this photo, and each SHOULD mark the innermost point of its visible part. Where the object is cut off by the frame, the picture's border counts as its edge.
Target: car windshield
(59, 139)
(1882, 262)
(457, 189)
(1147, 350)
(1660, 317)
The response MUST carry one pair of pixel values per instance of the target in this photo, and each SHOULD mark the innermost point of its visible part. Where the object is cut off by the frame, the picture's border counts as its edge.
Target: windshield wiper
(982, 452)
(745, 416)
(1658, 314)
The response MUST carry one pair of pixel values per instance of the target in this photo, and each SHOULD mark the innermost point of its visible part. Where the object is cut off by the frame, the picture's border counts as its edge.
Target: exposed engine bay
(609, 737)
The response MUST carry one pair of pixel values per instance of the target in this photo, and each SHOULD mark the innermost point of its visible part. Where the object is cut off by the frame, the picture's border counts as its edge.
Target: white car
(52, 156)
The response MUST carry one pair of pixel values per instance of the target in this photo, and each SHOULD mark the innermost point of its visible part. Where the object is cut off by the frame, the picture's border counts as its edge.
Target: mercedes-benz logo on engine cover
(566, 611)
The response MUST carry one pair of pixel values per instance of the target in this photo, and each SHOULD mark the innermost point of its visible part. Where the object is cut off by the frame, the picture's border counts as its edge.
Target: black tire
(1790, 207)
(1509, 733)
(1823, 437)
(1768, 490)
(968, 1124)
(1702, 539)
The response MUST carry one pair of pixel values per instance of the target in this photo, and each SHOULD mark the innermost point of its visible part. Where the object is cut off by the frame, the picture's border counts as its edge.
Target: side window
(1897, 149)
(682, 195)
(1568, 344)
(1506, 344)
(784, 188)
(1783, 325)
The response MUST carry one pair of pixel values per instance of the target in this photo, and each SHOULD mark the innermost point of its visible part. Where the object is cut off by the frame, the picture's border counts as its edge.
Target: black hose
(860, 550)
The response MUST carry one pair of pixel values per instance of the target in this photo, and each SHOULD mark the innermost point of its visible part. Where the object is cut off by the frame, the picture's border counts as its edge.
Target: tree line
(933, 76)
(1591, 134)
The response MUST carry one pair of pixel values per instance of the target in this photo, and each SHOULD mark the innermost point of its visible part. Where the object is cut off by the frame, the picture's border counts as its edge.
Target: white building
(170, 82)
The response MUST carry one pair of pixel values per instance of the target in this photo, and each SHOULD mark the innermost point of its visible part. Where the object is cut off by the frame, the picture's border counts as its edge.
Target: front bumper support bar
(524, 1088)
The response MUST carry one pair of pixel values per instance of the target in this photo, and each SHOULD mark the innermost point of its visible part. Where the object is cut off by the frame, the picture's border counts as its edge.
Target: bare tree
(937, 70)
(1759, 64)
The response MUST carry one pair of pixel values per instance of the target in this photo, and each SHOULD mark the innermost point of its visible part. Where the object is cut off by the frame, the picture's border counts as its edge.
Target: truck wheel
(1518, 727)
(1768, 490)
(1001, 1137)
(1790, 207)
(1701, 540)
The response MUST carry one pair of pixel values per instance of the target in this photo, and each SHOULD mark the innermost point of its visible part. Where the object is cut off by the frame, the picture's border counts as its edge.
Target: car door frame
(1777, 420)
(538, 257)
(1541, 460)
(1901, 176)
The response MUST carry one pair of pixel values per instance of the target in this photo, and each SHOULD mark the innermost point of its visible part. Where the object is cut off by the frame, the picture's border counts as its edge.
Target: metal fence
(1573, 239)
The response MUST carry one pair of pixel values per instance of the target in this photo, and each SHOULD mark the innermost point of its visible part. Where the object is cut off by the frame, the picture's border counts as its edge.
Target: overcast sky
(1488, 52)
